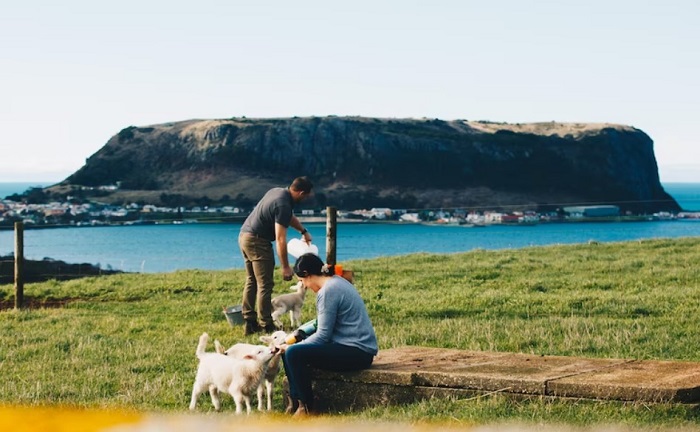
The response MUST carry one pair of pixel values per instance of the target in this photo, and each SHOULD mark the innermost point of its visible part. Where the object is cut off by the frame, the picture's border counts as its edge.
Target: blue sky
(76, 72)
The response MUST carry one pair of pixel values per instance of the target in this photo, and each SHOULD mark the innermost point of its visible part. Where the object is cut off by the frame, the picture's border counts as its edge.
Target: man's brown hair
(302, 184)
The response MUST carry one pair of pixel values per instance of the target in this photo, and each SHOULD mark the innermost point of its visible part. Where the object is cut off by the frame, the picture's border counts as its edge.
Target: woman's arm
(327, 310)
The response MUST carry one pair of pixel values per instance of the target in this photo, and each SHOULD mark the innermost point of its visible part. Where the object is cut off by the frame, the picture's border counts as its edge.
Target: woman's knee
(293, 353)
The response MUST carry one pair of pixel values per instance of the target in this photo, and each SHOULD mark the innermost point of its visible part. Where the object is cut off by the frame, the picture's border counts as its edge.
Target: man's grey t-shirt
(275, 207)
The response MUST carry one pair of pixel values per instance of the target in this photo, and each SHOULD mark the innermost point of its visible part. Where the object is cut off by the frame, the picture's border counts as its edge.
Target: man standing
(267, 223)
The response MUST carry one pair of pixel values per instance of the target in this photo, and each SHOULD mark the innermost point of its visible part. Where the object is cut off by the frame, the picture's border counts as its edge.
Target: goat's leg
(196, 391)
(214, 393)
(238, 399)
(276, 319)
(268, 387)
(260, 397)
(246, 398)
(296, 316)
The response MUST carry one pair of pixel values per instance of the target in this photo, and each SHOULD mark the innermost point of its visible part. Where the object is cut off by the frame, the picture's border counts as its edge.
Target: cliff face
(363, 162)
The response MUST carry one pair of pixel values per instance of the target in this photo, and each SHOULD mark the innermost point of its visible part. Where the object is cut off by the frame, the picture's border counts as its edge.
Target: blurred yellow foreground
(59, 419)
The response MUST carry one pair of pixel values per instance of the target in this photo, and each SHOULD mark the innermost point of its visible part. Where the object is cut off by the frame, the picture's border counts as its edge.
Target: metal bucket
(234, 316)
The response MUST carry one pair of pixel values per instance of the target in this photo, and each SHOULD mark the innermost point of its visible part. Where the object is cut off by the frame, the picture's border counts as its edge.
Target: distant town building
(592, 211)
(409, 217)
(380, 213)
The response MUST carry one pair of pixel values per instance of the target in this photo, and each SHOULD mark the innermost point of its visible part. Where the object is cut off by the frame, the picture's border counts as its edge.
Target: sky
(74, 73)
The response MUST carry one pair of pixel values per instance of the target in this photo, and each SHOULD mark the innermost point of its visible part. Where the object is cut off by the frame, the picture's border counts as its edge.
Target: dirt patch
(36, 303)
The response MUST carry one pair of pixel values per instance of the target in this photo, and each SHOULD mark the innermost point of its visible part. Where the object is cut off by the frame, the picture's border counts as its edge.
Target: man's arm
(296, 224)
(281, 240)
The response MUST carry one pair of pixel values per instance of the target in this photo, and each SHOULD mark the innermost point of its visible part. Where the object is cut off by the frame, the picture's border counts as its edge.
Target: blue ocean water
(686, 194)
(10, 188)
(165, 248)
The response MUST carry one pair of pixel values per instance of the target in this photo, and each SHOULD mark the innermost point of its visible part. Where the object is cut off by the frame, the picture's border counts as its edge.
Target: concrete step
(407, 374)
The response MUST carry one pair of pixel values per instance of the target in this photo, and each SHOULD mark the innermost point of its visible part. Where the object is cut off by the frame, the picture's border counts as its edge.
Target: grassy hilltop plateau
(359, 162)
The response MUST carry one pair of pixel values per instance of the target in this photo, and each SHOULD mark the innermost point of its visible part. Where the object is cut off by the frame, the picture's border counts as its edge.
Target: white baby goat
(291, 303)
(239, 350)
(237, 376)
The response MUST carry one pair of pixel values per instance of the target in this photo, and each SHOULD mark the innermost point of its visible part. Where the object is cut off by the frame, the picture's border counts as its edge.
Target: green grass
(127, 341)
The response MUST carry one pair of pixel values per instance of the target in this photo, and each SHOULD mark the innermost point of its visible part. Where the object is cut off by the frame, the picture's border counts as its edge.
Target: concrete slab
(650, 381)
(406, 374)
(513, 373)
(471, 370)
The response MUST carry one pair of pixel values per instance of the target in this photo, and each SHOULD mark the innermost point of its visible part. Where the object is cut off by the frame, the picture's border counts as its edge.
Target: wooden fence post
(19, 265)
(331, 232)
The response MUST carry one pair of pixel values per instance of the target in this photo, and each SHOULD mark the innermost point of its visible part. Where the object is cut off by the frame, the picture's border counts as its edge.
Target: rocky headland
(358, 162)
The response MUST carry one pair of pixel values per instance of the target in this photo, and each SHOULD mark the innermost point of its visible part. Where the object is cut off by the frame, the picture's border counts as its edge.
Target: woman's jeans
(299, 359)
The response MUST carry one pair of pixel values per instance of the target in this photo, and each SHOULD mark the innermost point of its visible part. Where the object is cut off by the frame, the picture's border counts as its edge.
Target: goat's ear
(218, 347)
(265, 339)
(248, 357)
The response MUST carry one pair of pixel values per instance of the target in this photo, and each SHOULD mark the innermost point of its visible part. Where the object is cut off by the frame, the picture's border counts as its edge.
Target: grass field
(127, 341)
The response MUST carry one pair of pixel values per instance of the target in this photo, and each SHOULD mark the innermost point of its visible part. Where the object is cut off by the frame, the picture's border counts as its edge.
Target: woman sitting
(344, 341)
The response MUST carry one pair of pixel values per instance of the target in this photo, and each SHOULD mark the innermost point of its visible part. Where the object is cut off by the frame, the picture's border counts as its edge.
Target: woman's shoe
(292, 405)
(303, 410)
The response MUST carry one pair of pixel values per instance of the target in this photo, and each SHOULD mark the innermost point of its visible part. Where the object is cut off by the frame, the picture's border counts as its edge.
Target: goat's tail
(202, 345)
(218, 347)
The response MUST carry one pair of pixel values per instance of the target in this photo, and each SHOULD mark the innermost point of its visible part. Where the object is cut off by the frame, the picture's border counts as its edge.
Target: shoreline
(344, 221)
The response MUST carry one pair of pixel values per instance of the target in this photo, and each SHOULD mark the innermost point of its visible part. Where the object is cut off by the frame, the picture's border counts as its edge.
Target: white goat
(237, 376)
(291, 303)
(240, 350)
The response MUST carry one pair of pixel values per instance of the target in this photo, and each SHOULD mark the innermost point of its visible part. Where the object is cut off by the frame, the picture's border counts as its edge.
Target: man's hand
(307, 237)
(287, 273)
